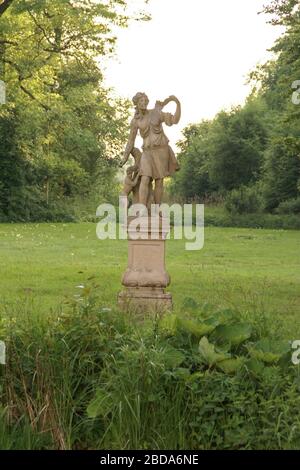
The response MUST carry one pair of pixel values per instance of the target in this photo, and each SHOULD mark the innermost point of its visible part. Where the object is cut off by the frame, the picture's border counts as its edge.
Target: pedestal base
(145, 300)
(146, 278)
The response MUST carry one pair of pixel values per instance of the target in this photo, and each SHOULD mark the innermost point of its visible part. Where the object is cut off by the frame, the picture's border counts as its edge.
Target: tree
(12, 168)
(4, 5)
(224, 153)
(281, 170)
(283, 12)
(67, 120)
(255, 146)
(237, 142)
(192, 181)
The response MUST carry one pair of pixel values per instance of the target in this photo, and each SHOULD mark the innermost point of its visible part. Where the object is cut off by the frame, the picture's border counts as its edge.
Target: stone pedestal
(146, 278)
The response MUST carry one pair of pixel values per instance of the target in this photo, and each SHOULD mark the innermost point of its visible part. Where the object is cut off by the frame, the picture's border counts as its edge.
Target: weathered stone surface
(145, 300)
(146, 277)
(157, 159)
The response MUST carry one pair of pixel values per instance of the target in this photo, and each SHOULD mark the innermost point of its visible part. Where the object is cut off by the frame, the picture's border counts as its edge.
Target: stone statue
(133, 180)
(146, 278)
(157, 160)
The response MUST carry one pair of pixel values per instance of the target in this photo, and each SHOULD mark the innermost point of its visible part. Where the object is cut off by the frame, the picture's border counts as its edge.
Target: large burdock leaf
(172, 357)
(208, 353)
(196, 328)
(101, 405)
(269, 351)
(231, 366)
(255, 366)
(169, 324)
(224, 316)
(233, 334)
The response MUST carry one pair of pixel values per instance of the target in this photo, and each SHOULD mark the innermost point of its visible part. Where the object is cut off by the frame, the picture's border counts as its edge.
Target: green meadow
(80, 374)
(222, 370)
(244, 269)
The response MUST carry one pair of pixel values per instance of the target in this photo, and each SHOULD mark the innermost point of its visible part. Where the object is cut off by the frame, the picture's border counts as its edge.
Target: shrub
(243, 200)
(292, 206)
(88, 378)
(181, 389)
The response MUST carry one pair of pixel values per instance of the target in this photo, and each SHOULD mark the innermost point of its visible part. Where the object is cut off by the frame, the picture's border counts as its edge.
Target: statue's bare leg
(144, 190)
(150, 199)
(158, 191)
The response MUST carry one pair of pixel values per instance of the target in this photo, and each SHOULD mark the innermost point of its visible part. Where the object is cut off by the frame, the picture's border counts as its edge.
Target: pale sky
(199, 50)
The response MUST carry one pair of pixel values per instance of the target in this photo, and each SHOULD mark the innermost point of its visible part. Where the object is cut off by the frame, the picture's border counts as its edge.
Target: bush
(217, 216)
(243, 200)
(88, 378)
(292, 206)
(53, 364)
(198, 384)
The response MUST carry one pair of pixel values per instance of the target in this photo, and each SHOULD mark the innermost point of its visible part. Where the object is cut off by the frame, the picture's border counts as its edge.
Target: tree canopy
(64, 127)
(256, 145)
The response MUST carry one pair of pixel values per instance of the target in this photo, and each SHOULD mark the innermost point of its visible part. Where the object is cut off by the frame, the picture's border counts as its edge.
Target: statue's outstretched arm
(130, 143)
(172, 118)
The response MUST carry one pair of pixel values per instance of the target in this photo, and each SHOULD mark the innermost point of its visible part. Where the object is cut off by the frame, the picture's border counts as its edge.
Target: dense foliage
(252, 151)
(60, 130)
(88, 378)
(59, 127)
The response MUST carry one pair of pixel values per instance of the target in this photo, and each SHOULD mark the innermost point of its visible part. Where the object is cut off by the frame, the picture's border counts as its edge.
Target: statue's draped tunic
(158, 159)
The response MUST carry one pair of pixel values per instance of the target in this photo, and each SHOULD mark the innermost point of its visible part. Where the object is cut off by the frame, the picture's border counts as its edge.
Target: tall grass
(88, 378)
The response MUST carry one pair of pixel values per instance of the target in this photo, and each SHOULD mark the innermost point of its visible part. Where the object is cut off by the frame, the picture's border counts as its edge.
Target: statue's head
(140, 101)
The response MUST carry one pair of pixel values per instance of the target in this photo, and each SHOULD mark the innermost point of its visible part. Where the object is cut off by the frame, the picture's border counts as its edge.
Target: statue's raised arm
(172, 118)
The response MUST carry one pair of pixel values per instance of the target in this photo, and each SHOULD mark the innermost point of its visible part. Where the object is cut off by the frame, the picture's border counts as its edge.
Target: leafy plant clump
(89, 378)
(200, 382)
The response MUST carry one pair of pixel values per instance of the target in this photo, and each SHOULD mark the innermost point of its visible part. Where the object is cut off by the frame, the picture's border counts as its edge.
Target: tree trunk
(4, 5)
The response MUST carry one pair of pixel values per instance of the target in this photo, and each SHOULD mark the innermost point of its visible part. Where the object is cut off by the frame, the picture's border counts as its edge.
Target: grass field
(245, 269)
(78, 376)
